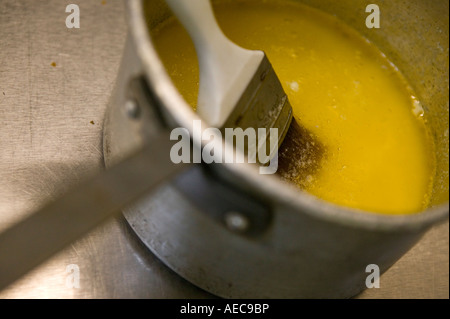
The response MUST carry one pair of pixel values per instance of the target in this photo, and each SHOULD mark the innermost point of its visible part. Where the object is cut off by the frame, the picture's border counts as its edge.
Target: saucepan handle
(45, 232)
(36, 238)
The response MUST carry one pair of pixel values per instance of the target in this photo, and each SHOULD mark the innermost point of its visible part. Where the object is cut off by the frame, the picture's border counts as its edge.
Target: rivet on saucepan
(236, 222)
(132, 109)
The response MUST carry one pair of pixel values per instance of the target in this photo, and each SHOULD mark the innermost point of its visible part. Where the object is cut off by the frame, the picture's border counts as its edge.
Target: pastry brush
(238, 87)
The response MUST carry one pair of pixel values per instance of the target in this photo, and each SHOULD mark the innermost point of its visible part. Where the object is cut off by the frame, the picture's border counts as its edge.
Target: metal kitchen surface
(55, 83)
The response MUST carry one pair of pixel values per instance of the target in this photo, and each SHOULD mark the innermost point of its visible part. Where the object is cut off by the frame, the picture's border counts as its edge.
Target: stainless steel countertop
(54, 87)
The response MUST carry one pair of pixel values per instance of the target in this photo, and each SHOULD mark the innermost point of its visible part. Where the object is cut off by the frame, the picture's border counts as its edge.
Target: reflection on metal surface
(37, 237)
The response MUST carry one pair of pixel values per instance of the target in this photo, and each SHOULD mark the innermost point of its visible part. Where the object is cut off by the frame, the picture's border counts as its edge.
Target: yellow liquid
(377, 155)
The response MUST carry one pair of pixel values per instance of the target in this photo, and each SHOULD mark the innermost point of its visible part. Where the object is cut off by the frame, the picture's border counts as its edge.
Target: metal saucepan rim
(285, 194)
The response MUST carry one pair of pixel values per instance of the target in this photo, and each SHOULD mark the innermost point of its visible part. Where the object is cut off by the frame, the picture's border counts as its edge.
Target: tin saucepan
(236, 233)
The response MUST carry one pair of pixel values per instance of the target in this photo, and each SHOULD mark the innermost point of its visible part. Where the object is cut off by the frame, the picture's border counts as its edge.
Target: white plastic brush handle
(225, 68)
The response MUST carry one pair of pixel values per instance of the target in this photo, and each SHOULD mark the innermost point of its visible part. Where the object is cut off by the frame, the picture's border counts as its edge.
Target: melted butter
(377, 155)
